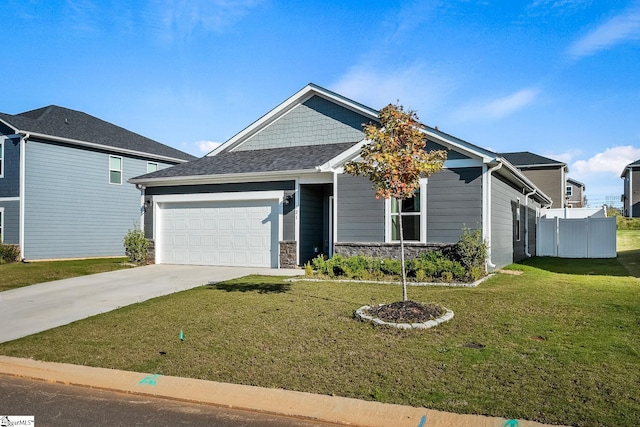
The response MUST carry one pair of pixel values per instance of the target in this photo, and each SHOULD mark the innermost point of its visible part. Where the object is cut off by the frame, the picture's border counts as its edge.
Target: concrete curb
(331, 409)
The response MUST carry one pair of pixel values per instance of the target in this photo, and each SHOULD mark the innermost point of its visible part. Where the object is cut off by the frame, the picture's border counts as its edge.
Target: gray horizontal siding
(10, 184)
(11, 220)
(360, 214)
(71, 210)
(454, 201)
(317, 121)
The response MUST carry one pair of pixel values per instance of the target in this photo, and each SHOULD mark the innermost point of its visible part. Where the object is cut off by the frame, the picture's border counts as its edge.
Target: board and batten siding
(10, 182)
(71, 210)
(316, 121)
(360, 214)
(454, 201)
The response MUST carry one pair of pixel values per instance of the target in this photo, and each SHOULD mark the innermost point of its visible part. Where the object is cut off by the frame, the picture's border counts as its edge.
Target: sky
(559, 78)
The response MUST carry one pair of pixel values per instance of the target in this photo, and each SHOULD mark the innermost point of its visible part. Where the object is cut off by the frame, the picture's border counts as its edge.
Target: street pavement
(36, 308)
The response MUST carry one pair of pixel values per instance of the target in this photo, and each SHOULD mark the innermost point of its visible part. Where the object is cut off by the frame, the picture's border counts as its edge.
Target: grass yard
(557, 344)
(20, 274)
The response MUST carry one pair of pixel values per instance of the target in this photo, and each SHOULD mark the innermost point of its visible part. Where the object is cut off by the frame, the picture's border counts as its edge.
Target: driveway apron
(36, 308)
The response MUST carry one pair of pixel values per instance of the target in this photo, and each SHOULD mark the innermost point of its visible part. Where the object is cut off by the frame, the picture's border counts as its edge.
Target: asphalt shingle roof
(255, 161)
(525, 158)
(70, 124)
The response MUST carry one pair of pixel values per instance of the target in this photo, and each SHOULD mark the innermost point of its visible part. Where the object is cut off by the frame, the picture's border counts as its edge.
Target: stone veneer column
(288, 258)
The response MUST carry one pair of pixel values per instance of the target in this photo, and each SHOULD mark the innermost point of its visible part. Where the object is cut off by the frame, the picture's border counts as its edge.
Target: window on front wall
(1, 159)
(115, 170)
(1, 224)
(152, 167)
(569, 190)
(410, 213)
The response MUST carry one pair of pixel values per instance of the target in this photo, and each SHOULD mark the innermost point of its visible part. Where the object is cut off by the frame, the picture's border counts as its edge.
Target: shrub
(9, 253)
(308, 270)
(136, 245)
(391, 267)
(471, 249)
(624, 223)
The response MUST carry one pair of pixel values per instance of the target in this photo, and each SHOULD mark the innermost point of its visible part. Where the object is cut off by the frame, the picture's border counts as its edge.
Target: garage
(218, 232)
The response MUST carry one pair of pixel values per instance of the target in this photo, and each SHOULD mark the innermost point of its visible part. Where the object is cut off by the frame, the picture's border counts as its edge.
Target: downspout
(143, 208)
(526, 222)
(488, 223)
(23, 174)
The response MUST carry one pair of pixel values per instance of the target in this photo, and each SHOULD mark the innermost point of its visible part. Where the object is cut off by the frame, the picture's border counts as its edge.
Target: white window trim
(1, 225)
(2, 158)
(423, 216)
(153, 163)
(569, 190)
(518, 221)
(113, 170)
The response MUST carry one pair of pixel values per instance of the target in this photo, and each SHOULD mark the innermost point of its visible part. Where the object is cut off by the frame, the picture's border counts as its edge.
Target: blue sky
(560, 78)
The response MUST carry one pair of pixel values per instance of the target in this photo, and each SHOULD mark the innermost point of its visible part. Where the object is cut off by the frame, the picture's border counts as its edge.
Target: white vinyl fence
(577, 238)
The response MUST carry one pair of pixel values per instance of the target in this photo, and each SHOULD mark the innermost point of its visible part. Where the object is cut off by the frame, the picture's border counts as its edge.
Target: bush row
(465, 262)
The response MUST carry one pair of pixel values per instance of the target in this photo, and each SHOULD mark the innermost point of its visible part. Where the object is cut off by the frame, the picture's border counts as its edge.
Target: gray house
(63, 182)
(631, 195)
(276, 195)
(548, 174)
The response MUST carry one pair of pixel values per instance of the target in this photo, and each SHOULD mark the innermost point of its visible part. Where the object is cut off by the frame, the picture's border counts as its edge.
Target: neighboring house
(547, 174)
(63, 182)
(631, 196)
(575, 194)
(275, 195)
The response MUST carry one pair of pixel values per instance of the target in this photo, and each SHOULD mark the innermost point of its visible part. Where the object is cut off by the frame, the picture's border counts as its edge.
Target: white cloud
(565, 157)
(178, 19)
(616, 30)
(611, 161)
(416, 87)
(206, 147)
(498, 108)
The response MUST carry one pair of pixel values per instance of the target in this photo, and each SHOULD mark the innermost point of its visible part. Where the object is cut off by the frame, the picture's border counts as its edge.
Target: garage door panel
(241, 233)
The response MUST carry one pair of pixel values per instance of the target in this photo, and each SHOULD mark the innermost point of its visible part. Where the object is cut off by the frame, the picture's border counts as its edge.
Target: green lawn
(556, 347)
(629, 250)
(21, 274)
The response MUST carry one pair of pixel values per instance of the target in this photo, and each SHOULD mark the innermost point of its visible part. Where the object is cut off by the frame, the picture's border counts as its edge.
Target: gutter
(23, 174)
(490, 264)
(526, 222)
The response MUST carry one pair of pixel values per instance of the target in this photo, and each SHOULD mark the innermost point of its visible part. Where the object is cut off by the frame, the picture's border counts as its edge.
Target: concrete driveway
(36, 308)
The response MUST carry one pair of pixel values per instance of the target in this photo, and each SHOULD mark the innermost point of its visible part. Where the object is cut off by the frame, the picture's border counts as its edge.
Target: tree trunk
(404, 272)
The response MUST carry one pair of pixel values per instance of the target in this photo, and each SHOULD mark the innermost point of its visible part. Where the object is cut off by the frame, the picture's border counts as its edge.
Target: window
(115, 170)
(569, 190)
(1, 159)
(411, 216)
(152, 167)
(517, 230)
(1, 224)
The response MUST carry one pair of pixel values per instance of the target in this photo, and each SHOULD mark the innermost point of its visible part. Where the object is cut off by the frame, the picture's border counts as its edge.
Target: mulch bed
(406, 312)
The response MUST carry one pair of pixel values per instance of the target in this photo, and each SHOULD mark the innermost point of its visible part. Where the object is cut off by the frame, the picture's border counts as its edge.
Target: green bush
(624, 223)
(471, 250)
(136, 245)
(9, 253)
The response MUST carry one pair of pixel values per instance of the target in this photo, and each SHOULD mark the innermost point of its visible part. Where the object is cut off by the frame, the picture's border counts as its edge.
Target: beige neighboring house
(547, 174)
(575, 194)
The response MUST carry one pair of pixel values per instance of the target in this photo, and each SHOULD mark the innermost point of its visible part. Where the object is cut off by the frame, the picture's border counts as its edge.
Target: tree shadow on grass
(631, 261)
(261, 288)
(583, 266)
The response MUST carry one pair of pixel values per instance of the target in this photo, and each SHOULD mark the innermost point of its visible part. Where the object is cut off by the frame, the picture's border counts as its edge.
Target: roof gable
(64, 124)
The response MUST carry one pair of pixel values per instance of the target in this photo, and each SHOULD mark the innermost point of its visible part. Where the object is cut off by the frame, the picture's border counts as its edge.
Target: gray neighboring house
(548, 174)
(575, 194)
(631, 195)
(276, 195)
(63, 182)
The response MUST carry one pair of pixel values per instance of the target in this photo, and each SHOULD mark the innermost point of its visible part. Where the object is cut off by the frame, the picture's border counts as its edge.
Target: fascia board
(222, 179)
(462, 145)
(101, 147)
(298, 98)
(342, 158)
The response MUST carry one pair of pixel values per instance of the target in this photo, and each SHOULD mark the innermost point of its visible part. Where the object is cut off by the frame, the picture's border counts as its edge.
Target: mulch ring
(406, 312)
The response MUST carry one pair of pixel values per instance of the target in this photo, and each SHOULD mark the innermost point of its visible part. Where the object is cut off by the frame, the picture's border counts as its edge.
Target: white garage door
(225, 233)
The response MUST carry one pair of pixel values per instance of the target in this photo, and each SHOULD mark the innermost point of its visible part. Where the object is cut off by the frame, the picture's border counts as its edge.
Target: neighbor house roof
(575, 182)
(253, 161)
(523, 159)
(629, 166)
(76, 127)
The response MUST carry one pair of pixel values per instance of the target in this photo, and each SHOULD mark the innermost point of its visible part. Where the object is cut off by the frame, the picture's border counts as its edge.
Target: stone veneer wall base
(388, 250)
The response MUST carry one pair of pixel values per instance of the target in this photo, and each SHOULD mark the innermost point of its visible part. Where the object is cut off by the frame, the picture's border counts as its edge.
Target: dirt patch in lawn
(406, 312)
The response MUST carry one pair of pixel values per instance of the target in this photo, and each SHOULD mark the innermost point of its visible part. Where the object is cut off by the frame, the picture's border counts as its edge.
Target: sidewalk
(331, 409)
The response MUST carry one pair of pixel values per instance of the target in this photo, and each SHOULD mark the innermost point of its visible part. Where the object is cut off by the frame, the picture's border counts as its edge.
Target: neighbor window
(1, 224)
(115, 170)
(410, 218)
(152, 167)
(569, 190)
(1, 159)
(517, 225)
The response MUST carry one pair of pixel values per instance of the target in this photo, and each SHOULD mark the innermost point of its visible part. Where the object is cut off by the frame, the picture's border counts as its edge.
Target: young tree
(395, 160)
